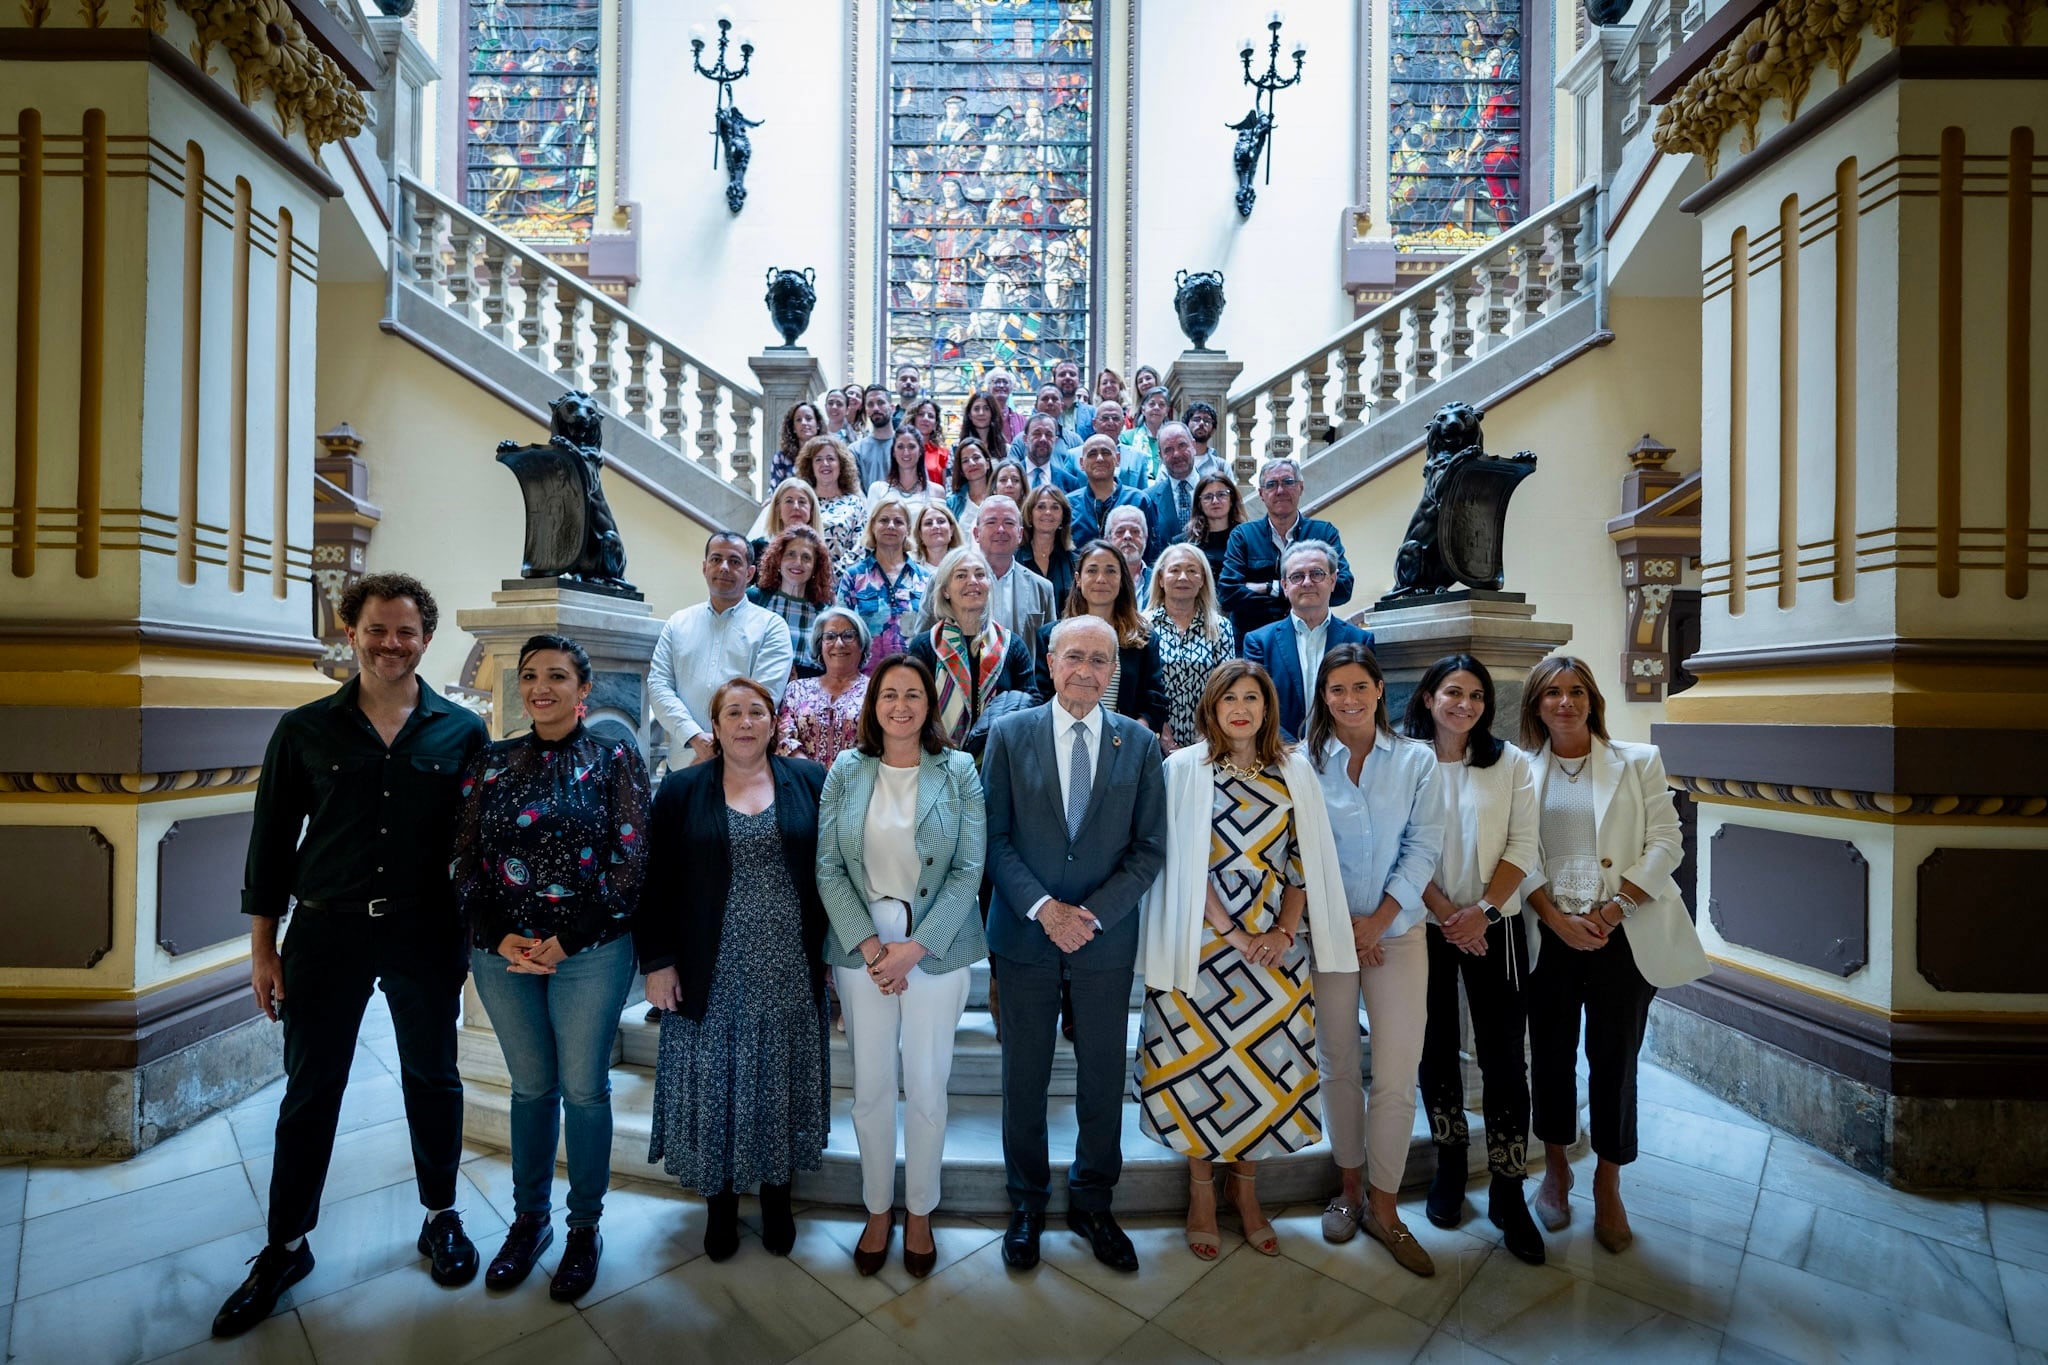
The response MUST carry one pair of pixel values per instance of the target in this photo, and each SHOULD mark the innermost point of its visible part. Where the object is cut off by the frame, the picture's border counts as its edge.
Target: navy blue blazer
(1140, 691)
(1108, 867)
(1272, 648)
(1090, 515)
(1066, 475)
(1250, 562)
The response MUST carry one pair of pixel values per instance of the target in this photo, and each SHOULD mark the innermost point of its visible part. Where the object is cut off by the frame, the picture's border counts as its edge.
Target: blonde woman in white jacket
(1476, 935)
(1613, 931)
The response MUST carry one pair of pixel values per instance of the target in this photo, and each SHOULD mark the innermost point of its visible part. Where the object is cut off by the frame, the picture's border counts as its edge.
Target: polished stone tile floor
(1750, 1246)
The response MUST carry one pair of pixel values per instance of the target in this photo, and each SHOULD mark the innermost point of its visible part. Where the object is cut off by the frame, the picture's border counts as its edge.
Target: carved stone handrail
(1427, 333)
(518, 299)
(1662, 28)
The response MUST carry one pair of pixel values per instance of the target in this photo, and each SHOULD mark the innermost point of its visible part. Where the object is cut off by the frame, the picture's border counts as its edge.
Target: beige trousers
(1396, 995)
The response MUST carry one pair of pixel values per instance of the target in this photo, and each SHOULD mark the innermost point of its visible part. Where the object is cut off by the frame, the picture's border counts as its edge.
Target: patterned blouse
(801, 613)
(551, 841)
(888, 607)
(816, 725)
(1186, 659)
(842, 521)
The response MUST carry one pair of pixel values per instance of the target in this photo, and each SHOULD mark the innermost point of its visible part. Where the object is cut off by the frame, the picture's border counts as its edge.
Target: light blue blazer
(952, 839)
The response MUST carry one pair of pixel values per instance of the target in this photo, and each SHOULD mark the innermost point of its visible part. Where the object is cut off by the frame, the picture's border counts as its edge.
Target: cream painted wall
(1283, 267)
(1580, 421)
(451, 515)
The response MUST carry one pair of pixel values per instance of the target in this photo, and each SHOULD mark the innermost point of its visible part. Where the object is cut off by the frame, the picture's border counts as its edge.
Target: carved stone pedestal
(788, 375)
(1499, 629)
(1206, 377)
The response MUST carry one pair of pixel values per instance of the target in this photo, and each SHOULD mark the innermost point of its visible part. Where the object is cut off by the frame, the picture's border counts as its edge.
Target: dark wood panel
(1795, 896)
(199, 881)
(56, 897)
(1968, 937)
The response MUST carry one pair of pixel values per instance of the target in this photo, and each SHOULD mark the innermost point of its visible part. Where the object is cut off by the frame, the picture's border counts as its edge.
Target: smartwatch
(1491, 911)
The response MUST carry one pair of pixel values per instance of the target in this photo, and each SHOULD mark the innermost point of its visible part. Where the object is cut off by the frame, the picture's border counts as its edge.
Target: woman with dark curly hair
(795, 581)
(802, 422)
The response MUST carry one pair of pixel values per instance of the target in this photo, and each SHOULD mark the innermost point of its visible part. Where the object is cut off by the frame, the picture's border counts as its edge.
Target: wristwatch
(1491, 911)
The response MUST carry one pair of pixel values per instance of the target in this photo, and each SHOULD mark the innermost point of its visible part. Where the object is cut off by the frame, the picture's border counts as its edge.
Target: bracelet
(1283, 929)
(871, 961)
(1629, 904)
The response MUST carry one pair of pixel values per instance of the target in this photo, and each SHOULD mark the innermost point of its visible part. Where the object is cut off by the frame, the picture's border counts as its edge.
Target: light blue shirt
(1389, 827)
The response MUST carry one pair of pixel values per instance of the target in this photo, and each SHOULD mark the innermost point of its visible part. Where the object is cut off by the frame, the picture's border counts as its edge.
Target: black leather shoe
(722, 1229)
(1445, 1205)
(778, 1224)
(529, 1236)
(273, 1270)
(578, 1270)
(1508, 1211)
(1020, 1243)
(443, 1241)
(1111, 1246)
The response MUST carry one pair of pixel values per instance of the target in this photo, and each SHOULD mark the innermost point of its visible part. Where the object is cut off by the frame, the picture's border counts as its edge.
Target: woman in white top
(906, 477)
(901, 836)
(1475, 932)
(1613, 931)
(1386, 816)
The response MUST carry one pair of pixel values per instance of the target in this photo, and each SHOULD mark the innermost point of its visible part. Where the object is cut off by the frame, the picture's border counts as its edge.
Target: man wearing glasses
(1250, 583)
(1292, 649)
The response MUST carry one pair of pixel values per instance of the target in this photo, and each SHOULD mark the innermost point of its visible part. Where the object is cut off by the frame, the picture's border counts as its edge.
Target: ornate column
(159, 294)
(788, 375)
(1657, 536)
(1868, 740)
(343, 520)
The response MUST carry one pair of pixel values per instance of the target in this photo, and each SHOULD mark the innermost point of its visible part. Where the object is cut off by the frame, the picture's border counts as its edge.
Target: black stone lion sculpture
(570, 531)
(1455, 535)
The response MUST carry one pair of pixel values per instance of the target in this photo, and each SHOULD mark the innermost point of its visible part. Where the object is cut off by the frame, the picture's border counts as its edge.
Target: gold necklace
(1571, 774)
(1232, 770)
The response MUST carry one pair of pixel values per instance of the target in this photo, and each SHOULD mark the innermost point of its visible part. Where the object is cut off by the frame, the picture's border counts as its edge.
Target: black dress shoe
(722, 1229)
(1111, 1246)
(1445, 1205)
(578, 1270)
(1508, 1211)
(273, 1270)
(443, 1241)
(1020, 1243)
(529, 1236)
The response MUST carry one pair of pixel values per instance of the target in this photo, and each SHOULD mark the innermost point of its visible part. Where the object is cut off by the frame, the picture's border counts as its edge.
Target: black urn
(1605, 12)
(1198, 303)
(791, 297)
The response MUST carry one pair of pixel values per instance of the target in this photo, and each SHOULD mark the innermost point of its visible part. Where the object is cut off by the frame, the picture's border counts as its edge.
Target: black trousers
(1605, 986)
(331, 963)
(1499, 1024)
(1102, 1076)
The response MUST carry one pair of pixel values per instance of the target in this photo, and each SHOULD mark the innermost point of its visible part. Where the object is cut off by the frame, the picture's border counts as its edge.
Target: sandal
(1261, 1239)
(1206, 1245)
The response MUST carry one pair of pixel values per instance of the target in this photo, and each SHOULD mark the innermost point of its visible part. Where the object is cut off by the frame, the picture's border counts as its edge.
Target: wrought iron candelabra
(1255, 130)
(729, 126)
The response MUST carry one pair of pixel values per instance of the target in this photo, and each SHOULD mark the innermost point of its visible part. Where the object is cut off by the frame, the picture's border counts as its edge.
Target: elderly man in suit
(1076, 833)
(1250, 584)
(1292, 648)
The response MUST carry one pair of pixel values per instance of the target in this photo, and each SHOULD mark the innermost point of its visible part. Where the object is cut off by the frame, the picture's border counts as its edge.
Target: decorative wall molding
(73, 870)
(1788, 796)
(199, 881)
(1962, 943)
(126, 784)
(1657, 536)
(1799, 897)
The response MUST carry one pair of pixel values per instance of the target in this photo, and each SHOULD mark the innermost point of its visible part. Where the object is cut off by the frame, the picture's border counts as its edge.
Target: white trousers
(1396, 995)
(919, 1023)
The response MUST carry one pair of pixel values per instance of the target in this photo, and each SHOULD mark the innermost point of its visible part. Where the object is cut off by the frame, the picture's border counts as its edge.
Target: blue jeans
(557, 1033)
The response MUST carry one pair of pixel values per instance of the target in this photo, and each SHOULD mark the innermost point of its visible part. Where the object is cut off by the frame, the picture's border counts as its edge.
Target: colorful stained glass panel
(1454, 129)
(531, 97)
(991, 166)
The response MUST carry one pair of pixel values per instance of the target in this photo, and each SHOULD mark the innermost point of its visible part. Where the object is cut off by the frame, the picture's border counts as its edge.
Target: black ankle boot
(722, 1231)
(1445, 1206)
(778, 1224)
(1508, 1211)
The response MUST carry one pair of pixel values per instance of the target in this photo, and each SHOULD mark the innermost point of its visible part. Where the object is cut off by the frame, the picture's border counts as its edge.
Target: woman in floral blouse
(820, 716)
(827, 466)
(549, 859)
(886, 586)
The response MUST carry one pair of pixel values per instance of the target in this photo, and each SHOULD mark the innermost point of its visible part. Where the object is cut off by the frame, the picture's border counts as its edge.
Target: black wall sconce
(1255, 130)
(729, 126)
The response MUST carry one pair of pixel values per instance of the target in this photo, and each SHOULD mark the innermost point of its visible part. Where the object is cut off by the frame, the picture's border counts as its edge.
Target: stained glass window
(1454, 129)
(991, 158)
(531, 96)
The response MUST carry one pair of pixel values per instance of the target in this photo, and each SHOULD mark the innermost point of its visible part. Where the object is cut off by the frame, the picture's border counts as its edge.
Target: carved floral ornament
(269, 50)
(1777, 53)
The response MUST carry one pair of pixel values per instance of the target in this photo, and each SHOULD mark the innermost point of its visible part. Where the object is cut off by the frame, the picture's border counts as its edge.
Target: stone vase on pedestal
(788, 375)
(1499, 629)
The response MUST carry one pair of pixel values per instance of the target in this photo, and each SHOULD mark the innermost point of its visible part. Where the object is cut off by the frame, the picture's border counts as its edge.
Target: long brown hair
(1322, 726)
(1063, 538)
(1272, 746)
(990, 435)
(1535, 734)
(818, 591)
(787, 441)
(932, 737)
(1124, 617)
(1198, 524)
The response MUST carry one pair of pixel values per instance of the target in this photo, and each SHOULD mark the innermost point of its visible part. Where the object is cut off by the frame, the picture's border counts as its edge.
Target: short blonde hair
(775, 525)
(901, 504)
(917, 528)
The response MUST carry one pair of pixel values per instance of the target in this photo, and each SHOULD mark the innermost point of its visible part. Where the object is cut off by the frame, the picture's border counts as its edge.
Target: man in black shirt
(371, 775)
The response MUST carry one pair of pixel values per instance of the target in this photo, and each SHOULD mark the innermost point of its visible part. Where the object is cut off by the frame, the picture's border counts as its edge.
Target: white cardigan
(1510, 814)
(1639, 842)
(1170, 943)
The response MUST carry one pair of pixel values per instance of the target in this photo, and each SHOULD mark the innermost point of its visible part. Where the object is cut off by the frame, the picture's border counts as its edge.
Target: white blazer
(1638, 841)
(1170, 941)
(1510, 815)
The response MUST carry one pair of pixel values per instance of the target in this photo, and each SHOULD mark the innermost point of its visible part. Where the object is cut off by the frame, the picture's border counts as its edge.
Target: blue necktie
(1079, 780)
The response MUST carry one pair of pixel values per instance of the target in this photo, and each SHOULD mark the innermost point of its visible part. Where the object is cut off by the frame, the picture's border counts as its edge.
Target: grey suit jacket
(1108, 867)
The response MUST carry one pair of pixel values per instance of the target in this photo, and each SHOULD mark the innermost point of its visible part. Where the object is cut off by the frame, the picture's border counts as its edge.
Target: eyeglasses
(1216, 495)
(1304, 576)
(839, 637)
(1271, 484)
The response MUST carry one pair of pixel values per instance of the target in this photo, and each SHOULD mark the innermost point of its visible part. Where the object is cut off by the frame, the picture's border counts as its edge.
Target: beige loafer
(1409, 1252)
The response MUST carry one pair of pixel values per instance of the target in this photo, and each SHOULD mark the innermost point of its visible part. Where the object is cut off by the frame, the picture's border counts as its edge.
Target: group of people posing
(998, 755)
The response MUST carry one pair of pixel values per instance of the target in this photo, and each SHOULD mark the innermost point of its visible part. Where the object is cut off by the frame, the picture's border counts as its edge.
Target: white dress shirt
(1063, 726)
(700, 650)
(1310, 644)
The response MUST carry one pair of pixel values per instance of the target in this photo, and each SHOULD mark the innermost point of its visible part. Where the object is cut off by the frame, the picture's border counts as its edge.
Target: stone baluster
(426, 244)
(1279, 398)
(1315, 423)
(707, 423)
(672, 398)
(1496, 297)
(1244, 465)
(1422, 355)
(636, 376)
(531, 342)
(603, 331)
(1458, 329)
(1529, 288)
(743, 446)
(1387, 389)
(568, 346)
(1352, 402)
(1564, 250)
(493, 285)
(461, 266)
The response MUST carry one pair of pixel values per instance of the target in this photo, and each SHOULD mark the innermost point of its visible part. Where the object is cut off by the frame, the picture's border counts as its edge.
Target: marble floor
(1750, 1246)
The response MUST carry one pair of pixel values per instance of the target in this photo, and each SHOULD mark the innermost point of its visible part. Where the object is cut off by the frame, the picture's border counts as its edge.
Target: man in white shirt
(705, 646)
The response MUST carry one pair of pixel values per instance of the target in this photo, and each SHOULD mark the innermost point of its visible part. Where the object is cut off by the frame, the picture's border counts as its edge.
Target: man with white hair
(1126, 531)
(1170, 502)
(1020, 599)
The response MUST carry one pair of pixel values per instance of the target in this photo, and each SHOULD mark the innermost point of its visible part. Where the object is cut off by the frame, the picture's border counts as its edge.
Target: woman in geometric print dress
(1226, 1066)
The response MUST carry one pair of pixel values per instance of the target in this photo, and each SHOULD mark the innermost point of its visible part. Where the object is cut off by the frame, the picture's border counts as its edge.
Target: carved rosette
(270, 51)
